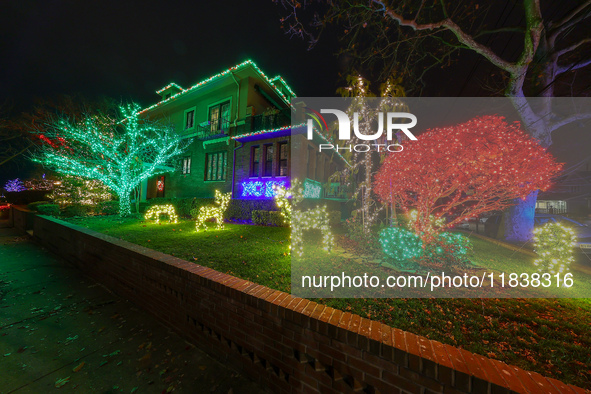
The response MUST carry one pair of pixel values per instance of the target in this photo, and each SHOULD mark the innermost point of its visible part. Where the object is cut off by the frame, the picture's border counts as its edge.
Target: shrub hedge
(267, 218)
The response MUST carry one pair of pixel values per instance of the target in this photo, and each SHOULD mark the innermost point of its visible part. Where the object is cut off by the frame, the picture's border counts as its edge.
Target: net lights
(157, 210)
(213, 212)
(400, 244)
(554, 244)
(260, 189)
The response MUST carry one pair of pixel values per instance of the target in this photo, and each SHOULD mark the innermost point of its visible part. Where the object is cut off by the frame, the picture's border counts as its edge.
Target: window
(189, 119)
(186, 165)
(215, 168)
(269, 159)
(283, 151)
(219, 116)
(254, 161)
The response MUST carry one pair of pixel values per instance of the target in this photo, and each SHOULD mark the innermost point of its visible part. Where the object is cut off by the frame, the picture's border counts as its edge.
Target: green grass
(549, 336)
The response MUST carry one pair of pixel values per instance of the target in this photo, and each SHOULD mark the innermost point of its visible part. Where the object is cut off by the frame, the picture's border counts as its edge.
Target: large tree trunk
(519, 220)
(124, 204)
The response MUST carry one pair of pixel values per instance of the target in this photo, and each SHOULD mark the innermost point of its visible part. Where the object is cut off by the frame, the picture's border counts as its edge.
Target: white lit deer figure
(213, 212)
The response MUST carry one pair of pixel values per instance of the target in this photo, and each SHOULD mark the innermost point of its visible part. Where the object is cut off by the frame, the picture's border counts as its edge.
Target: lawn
(549, 336)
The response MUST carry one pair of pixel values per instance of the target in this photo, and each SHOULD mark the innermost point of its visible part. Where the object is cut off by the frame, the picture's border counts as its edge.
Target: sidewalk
(60, 330)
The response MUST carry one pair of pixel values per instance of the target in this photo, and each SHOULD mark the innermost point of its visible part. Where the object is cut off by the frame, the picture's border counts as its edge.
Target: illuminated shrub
(400, 243)
(554, 243)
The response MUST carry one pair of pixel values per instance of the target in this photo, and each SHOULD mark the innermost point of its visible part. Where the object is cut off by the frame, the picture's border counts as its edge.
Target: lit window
(269, 158)
(189, 119)
(283, 151)
(254, 161)
(186, 165)
(219, 116)
(215, 169)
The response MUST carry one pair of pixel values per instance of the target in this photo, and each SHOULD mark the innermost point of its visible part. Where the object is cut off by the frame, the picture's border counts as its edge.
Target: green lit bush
(446, 250)
(76, 210)
(48, 209)
(400, 243)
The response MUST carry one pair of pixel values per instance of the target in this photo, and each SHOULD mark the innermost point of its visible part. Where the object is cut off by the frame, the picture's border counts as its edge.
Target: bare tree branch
(570, 20)
(462, 36)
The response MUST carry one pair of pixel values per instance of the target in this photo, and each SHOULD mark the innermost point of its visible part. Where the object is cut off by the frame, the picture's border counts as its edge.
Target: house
(571, 193)
(239, 121)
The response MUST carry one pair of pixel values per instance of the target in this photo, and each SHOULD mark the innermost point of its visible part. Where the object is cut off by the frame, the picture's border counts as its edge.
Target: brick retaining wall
(289, 344)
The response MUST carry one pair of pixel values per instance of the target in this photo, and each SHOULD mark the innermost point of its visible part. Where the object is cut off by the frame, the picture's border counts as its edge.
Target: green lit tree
(119, 151)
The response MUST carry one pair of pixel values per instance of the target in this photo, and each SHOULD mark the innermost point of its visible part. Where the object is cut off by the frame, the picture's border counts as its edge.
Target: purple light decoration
(260, 189)
(14, 185)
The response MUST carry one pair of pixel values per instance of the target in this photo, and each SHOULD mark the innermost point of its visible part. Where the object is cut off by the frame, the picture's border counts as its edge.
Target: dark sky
(129, 49)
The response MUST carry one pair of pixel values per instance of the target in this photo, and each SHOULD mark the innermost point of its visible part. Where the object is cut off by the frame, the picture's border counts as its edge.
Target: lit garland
(279, 77)
(312, 219)
(120, 154)
(216, 213)
(463, 171)
(170, 85)
(14, 185)
(554, 244)
(400, 244)
(220, 75)
(157, 210)
(255, 133)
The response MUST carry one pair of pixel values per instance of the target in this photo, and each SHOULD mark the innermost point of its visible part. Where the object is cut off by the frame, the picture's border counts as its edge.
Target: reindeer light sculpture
(213, 212)
(312, 219)
(157, 210)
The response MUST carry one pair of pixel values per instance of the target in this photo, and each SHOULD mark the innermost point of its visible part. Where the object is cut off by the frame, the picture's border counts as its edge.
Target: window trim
(287, 151)
(188, 168)
(219, 102)
(251, 173)
(225, 170)
(194, 109)
(273, 160)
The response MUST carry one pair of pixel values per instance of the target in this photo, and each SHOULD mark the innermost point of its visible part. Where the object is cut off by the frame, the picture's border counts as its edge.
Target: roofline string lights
(216, 77)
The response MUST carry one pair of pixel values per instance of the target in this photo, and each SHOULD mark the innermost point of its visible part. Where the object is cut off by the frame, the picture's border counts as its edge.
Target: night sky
(128, 49)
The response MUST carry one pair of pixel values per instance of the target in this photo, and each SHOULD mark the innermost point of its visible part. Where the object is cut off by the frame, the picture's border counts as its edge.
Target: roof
(248, 63)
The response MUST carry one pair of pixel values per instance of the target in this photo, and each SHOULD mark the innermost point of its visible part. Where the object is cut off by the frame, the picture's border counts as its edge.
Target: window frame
(251, 171)
(187, 111)
(216, 154)
(265, 160)
(186, 170)
(219, 103)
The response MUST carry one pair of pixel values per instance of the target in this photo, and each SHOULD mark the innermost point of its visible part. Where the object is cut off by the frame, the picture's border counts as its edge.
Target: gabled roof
(248, 63)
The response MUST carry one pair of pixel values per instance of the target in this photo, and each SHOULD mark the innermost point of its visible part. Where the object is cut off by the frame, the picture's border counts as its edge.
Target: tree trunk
(124, 204)
(519, 220)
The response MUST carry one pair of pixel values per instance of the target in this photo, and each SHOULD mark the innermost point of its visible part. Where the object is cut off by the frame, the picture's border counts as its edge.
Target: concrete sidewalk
(59, 330)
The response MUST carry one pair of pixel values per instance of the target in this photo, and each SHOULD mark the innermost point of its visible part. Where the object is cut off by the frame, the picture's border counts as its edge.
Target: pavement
(62, 332)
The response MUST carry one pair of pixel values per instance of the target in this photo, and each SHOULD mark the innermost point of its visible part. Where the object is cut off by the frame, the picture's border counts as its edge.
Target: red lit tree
(464, 170)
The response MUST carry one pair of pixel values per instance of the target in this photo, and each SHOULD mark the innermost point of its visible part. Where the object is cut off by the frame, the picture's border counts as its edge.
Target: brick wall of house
(290, 344)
